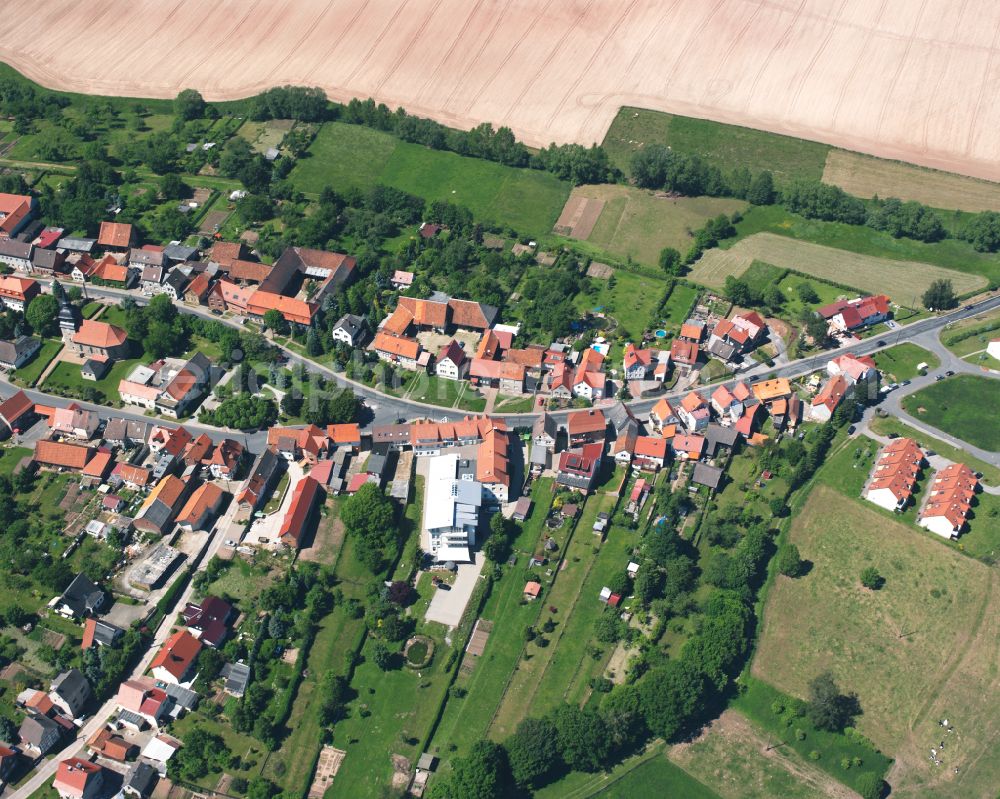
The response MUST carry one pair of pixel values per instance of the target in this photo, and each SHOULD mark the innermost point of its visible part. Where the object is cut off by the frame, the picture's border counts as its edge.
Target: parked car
(949, 373)
(939, 378)
(851, 430)
(931, 453)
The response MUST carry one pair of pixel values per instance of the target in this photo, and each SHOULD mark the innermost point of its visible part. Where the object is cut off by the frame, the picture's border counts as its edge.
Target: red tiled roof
(94, 333)
(397, 345)
(300, 311)
(74, 775)
(56, 453)
(177, 654)
(426, 313)
(650, 447)
(589, 421)
(348, 433)
(13, 208)
(303, 499)
(453, 352)
(114, 234)
(98, 465)
(685, 352)
(692, 331)
(205, 497)
(16, 406)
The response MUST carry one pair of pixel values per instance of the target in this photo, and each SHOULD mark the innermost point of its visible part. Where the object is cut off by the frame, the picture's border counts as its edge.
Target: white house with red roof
(830, 395)
(949, 500)
(694, 412)
(77, 778)
(642, 364)
(859, 312)
(726, 405)
(856, 368)
(452, 362)
(895, 474)
(174, 663)
(663, 414)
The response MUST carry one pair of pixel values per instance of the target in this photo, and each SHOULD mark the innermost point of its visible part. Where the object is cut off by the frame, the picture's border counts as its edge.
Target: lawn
(903, 280)
(900, 362)
(725, 146)
(91, 308)
(731, 756)
(966, 406)
(928, 635)
(436, 390)
(10, 457)
(678, 306)
(28, 374)
(631, 300)
(65, 379)
(244, 582)
(637, 224)
(864, 176)
(345, 156)
(505, 404)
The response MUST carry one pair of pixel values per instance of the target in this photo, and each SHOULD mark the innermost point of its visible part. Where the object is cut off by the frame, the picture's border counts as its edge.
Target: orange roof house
(174, 661)
(115, 236)
(684, 352)
(298, 311)
(109, 270)
(769, 390)
(14, 211)
(396, 347)
(692, 331)
(95, 337)
(201, 507)
(61, 455)
(77, 778)
(296, 520)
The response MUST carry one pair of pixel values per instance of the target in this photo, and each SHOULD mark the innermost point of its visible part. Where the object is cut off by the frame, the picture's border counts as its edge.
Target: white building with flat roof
(451, 509)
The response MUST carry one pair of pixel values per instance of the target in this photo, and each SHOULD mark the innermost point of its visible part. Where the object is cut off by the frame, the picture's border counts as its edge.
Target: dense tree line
(370, 516)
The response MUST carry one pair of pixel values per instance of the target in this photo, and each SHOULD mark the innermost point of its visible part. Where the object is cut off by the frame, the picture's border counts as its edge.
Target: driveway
(264, 531)
(447, 607)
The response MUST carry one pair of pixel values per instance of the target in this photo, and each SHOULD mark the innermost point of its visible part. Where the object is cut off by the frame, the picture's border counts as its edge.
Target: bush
(870, 786)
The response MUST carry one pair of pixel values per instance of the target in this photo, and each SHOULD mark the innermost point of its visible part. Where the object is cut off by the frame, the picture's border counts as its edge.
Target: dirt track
(907, 79)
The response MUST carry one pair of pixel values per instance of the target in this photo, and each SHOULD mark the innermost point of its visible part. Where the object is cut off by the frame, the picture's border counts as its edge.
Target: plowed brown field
(907, 79)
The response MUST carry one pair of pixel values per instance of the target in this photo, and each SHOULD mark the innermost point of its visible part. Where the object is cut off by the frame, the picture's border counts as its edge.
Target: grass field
(971, 335)
(903, 281)
(966, 406)
(636, 224)
(900, 362)
(731, 756)
(264, 135)
(952, 254)
(656, 777)
(864, 176)
(725, 146)
(919, 650)
(346, 156)
(631, 300)
(542, 678)
(756, 703)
